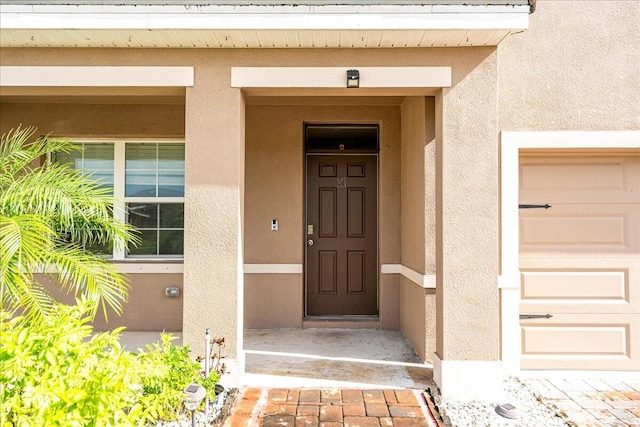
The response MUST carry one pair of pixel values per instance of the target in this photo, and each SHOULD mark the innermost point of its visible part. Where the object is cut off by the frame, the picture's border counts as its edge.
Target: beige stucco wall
(95, 120)
(575, 68)
(214, 188)
(214, 127)
(412, 298)
(417, 305)
(274, 182)
(414, 139)
(467, 216)
(147, 308)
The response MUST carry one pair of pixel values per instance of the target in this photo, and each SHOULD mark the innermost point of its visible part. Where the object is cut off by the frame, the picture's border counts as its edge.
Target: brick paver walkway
(330, 408)
(592, 402)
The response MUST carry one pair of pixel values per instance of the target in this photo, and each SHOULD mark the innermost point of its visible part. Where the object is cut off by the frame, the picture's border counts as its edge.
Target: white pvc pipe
(207, 365)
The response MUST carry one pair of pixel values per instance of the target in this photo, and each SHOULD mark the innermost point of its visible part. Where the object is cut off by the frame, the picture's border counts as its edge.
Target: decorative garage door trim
(511, 144)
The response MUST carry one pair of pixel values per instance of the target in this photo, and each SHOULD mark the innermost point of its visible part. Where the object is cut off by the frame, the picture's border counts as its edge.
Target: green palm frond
(47, 212)
(19, 156)
(80, 272)
(23, 239)
(35, 301)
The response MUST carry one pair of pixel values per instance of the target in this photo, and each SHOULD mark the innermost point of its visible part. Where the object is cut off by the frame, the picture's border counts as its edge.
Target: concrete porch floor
(346, 358)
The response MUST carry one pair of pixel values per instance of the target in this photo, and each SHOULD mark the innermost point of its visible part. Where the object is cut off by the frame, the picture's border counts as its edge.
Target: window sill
(150, 266)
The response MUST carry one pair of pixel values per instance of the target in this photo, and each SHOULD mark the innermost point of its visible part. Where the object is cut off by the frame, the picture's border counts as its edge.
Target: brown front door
(342, 228)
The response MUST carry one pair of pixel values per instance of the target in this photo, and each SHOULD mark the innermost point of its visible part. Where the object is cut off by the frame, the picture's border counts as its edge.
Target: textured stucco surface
(214, 181)
(96, 120)
(467, 216)
(273, 301)
(417, 314)
(430, 187)
(214, 149)
(147, 308)
(412, 316)
(390, 301)
(430, 225)
(412, 298)
(275, 190)
(414, 140)
(575, 68)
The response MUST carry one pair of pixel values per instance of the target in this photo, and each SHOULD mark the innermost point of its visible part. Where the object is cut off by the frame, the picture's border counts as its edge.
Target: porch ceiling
(278, 25)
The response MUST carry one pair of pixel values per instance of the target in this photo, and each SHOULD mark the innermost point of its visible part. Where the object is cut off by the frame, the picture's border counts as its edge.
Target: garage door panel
(557, 285)
(580, 262)
(581, 228)
(578, 341)
(582, 180)
(575, 286)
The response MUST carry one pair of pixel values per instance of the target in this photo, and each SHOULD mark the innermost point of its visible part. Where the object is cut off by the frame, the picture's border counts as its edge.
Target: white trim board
(96, 76)
(335, 77)
(460, 379)
(137, 267)
(509, 281)
(273, 268)
(427, 281)
(150, 267)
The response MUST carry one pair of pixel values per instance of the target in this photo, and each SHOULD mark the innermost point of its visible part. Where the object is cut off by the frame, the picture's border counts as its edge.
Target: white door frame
(509, 281)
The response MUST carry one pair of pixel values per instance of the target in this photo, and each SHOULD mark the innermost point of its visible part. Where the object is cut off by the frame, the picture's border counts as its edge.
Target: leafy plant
(47, 213)
(58, 373)
(54, 373)
(163, 388)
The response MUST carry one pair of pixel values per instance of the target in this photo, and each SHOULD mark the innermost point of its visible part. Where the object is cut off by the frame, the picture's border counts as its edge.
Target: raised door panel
(581, 341)
(341, 232)
(583, 179)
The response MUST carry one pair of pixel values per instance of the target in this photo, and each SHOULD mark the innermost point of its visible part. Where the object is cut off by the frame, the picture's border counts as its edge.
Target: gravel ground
(533, 413)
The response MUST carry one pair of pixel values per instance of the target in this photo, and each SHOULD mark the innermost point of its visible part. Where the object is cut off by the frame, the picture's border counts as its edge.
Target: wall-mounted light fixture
(353, 78)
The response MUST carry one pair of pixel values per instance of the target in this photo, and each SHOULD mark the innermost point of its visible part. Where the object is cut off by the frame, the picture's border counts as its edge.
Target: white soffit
(71, 76)
(278, 26)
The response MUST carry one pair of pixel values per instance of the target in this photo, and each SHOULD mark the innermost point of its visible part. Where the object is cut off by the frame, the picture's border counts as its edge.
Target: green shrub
(56, 373)
(163, 388)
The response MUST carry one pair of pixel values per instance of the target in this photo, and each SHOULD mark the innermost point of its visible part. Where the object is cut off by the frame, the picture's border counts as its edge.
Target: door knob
(309, 242)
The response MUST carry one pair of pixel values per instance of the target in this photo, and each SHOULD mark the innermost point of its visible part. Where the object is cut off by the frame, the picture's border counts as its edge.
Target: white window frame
(121, 201)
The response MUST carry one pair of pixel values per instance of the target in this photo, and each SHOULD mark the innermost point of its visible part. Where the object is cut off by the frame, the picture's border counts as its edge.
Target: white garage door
(580, 261)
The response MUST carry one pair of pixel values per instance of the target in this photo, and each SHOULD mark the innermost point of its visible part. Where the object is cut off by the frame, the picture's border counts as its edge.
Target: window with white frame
(147, 178)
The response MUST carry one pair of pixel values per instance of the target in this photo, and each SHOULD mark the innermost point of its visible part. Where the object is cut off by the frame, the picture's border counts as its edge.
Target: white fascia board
(374, 17)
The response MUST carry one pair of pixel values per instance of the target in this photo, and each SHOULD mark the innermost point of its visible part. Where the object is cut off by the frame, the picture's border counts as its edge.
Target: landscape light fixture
(194, 393)
(507, 410)
(353, 78)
